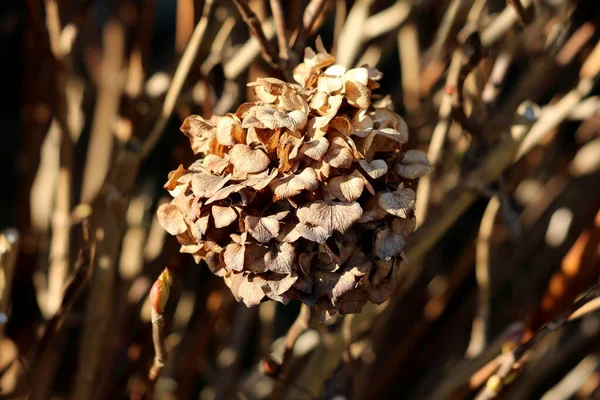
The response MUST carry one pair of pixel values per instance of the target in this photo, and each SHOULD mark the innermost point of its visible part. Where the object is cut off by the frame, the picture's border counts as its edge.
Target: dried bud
(159, 293)
(304, 194)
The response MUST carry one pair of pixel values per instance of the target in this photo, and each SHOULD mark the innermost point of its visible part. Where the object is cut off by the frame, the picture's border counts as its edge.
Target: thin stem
(279, 19)
(266, 48)
(311, 14)
(479, 333)
(160, 350)
(185, 64)
(299, 326)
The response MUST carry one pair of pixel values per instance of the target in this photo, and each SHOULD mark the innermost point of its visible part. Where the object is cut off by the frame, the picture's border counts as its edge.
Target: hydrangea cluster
(303, 194)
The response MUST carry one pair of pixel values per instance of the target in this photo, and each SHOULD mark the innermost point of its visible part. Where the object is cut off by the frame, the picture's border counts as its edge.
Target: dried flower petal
(375, 169)
(339, 154)
(206, 185)
(223, 216)
(262, 229)
(215, 164)
(315, 149)
(291, 185)
(281, 259)
(414, 165)
(388, 244)
(293, 197)
(244, 159)
(346, 188)
(171, 219)
(399, 203)
(230, 131)
(330, 215)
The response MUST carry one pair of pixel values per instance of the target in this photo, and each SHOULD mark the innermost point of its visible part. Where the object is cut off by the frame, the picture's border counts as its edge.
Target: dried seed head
(304, 194)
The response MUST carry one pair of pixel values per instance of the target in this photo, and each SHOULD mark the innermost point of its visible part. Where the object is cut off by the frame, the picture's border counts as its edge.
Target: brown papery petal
(281, 259)
(399, 203)
(292, 185)
(261, 180)
(250, 290)
(357, 94)
(397, 136)
(206, 185)
(224, 192)
(315, 149)
(414, 165)
(262, 229)
(271, 118)
(359, 75)
(315, 234)
(332, 216)
(388, 244)
(230, 131)
(173, 177)
(346, 188)
(234, 256)
(244, 159)
(339, 154)
(215, 164)
(343, 125)
(223, 216)
(198, 130)
(171, 219)
(363, 124)
(375, 169)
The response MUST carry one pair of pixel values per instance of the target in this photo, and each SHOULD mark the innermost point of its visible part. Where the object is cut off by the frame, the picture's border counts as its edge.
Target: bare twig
(440, 132)
(247, 53)
(501, 65)
(512, 360)
(46, 356)
(189, 55)
(9, 248)
(266, 48)
(387, 20)
(351, 37)
(105, 111)
(526, 15)
(561, 110)
(501, 24)
(158, 338)
(310, 16)
(340, 18)
(408, 48)
(299, 326)
(479, 332)
(279, 19)
(159, 295)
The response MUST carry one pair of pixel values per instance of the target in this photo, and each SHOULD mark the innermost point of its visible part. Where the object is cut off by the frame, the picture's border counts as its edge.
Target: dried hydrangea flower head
(304, 194)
